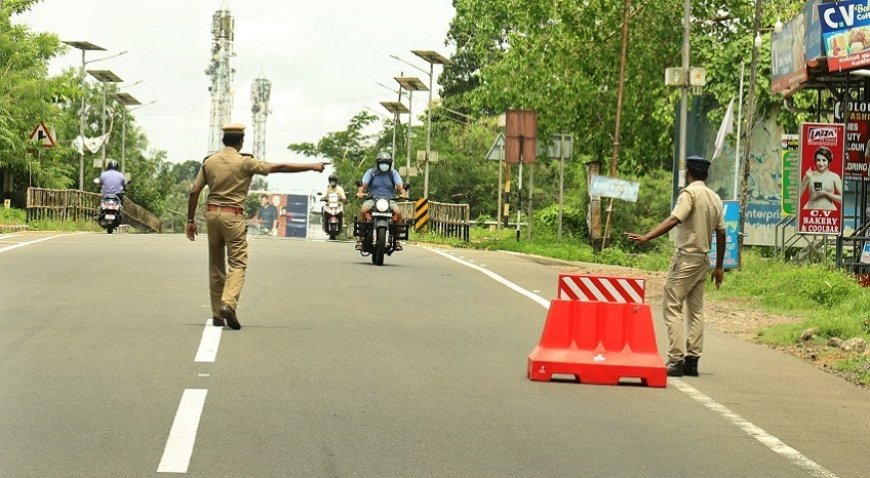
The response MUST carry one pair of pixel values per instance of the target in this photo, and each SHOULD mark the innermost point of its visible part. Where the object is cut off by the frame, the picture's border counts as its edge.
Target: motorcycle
(332, 215)
(380, 232)
(110, 213)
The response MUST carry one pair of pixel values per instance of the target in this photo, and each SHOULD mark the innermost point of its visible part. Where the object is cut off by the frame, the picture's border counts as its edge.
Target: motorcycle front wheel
(380, 246)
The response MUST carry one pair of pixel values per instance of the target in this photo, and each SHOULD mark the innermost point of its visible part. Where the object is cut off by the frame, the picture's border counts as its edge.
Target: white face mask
(332, 183)
(384, 167)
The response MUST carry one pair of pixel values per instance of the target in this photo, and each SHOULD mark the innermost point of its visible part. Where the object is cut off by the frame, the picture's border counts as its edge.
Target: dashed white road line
(766, 439)
(208, 345)
(182, 435)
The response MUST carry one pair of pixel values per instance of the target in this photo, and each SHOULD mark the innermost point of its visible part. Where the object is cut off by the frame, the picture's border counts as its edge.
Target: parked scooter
(110, 212)
(332, 215)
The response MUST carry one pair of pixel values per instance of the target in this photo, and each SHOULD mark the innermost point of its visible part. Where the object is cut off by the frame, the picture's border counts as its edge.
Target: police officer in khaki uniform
(228, 175)
(697, 214)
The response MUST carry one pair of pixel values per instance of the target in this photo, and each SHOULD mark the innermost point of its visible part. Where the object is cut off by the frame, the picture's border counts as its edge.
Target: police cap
(234, 128)
(698, 163)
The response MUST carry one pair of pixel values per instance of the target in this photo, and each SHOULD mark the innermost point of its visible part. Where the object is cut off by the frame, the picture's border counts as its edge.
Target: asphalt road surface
(343, 369)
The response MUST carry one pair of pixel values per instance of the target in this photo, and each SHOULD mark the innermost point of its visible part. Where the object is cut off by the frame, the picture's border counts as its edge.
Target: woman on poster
(825, 186)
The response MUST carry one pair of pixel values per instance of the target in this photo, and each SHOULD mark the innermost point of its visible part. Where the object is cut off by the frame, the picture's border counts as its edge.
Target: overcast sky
(323, 58)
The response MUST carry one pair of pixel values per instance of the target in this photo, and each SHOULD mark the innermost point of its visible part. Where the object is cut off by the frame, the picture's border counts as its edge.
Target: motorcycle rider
(112, 181)
(381, 182)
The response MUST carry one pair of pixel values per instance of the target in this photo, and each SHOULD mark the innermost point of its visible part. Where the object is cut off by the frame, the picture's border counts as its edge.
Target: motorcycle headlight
(382, 205)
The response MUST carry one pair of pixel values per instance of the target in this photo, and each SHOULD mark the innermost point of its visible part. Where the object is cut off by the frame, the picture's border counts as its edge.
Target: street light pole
(432, 58)
(84, 47)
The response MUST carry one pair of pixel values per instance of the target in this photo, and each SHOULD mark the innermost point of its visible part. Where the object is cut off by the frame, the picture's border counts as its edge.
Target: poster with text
(791, 181)
(820, 206)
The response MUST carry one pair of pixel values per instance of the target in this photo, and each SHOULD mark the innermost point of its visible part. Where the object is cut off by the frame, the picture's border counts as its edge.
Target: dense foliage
(29, 94)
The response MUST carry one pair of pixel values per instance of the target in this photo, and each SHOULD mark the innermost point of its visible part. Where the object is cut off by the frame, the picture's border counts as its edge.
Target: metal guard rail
(75, 205)
(450, 220)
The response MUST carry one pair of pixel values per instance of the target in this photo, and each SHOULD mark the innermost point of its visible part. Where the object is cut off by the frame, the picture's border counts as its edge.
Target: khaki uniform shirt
(228, 175)
(699, 210)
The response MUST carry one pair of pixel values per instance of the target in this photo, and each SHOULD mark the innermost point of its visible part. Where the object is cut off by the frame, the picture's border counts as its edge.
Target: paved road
(107, 369)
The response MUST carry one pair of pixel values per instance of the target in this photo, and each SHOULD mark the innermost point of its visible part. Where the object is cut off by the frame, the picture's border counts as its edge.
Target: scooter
(110, 213)
(332, 215)
(380, 232)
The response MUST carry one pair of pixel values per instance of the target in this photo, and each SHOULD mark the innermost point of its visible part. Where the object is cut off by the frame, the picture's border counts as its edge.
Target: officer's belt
(232, 209)
(691, 254)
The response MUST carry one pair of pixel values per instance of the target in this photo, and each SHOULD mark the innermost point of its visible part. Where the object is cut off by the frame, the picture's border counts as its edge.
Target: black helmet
(384, 157)
(332, 177)
(112, 164)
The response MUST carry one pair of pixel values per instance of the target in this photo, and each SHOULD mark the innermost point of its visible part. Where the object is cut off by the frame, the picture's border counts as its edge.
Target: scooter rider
(112, 181)
(333, 187)
(381, 182)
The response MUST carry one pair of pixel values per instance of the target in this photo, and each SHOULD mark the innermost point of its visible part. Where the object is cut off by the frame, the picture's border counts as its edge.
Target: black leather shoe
(675, 369)
(217, 322)
(229, 315)
(690, 365)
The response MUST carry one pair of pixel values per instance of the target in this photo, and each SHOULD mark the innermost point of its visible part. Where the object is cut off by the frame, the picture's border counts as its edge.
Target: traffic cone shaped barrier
(598, 343)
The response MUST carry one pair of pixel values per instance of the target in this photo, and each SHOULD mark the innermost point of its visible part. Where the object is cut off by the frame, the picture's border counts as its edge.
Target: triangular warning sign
(42, 136)
(496, 152)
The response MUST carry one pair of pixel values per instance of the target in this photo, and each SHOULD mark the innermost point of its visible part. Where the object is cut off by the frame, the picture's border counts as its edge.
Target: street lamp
(432, 58)
(395, 107)
(84, 47)
(104, 76)
(410, 84)
(127, 99)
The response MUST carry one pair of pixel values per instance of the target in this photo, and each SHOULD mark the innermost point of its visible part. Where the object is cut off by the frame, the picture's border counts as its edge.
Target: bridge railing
(75, 205)
(450, 220)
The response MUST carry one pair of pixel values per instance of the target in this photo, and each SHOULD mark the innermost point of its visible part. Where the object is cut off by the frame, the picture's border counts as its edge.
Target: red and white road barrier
(601, 289)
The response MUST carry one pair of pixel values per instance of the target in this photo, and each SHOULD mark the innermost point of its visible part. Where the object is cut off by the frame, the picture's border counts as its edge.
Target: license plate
(110, 217)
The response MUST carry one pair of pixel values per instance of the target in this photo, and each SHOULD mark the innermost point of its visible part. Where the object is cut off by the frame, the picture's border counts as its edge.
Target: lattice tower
(221, 74)
(261, 90)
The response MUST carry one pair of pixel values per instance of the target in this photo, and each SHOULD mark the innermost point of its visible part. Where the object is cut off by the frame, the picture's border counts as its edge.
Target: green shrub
(12, 216)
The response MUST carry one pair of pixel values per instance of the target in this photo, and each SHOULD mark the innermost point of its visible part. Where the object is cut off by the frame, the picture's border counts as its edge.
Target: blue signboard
(732, 228)
(812, 32)
(846, 33)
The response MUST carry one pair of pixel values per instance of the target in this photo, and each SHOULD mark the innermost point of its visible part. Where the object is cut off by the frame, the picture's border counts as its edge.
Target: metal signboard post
(521, 131)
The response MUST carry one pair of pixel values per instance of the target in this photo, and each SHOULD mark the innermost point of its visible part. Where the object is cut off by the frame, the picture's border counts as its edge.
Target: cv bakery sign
(846, 33)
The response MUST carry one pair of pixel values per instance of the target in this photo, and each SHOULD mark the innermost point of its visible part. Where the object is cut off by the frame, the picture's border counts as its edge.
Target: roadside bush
(12, 216)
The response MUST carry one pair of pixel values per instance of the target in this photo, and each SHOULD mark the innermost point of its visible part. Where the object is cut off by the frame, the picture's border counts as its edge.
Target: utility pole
(621, 89)
(684, 93)
(750, 119)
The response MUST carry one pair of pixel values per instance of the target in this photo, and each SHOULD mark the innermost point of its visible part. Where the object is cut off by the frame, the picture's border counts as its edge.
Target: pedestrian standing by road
(228, 175)
(697, 214)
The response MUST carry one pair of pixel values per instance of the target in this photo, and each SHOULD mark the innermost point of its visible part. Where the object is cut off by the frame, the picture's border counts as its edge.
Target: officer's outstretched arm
(297, 167)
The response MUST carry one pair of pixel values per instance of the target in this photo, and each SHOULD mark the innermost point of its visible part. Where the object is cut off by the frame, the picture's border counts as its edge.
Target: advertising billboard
(820, 206)
(846, 34)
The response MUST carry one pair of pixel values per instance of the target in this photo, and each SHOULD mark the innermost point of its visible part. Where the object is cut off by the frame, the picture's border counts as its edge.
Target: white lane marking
(770, 441)
(22, 244)
(7, 236)
(762, 436)
(208, 345)
(203, 375)
(182, 435)
(492, 275)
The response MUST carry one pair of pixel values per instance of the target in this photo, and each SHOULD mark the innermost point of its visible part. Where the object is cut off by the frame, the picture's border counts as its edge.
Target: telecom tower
(221, 74)
(261, 89)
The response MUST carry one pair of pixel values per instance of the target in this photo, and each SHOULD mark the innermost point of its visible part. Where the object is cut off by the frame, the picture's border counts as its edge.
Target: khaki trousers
(227, 245)
(684, 292)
